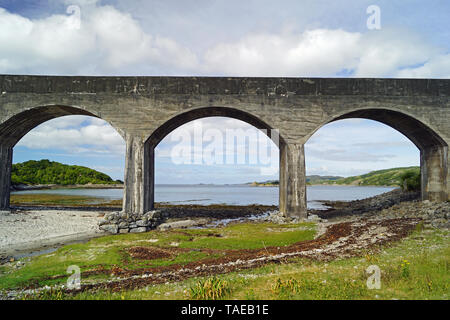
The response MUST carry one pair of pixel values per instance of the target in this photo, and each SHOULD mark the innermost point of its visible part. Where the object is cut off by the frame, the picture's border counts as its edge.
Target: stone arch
(139, 177)
(433, 148)
(16, 127)
(206, 112)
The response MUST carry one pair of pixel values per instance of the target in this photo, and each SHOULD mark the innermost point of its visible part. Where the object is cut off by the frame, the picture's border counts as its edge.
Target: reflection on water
(228, 194)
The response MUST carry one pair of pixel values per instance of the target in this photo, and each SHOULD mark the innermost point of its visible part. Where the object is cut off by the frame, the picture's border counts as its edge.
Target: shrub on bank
(410, 180)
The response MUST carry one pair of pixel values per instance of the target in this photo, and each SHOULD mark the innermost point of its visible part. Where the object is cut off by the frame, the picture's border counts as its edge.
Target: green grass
(426, 251)
(209, 289)
(110, 251)
(415, 268)
(241, 236)
(46, 199)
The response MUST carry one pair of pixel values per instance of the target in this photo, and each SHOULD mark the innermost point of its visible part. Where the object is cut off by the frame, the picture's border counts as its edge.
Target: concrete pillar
(5, 175)
(448, 175)
(138, 194)
(434, 171)
(293, 180)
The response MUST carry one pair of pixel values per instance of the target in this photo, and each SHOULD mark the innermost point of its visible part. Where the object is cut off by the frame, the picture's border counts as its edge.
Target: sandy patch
(34, 229)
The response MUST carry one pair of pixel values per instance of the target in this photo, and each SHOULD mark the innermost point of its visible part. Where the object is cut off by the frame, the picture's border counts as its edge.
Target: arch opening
(432, 148)
(15, 130)
(216, 160)
(143, 199)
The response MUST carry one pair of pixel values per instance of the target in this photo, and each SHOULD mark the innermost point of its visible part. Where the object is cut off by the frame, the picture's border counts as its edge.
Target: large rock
(138, 230)
(103, 222)
(142, 223)
(123, 225)
(182, 224)
(111, 228)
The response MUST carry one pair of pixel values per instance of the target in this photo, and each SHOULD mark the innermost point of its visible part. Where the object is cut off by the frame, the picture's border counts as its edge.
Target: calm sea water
(230, 194)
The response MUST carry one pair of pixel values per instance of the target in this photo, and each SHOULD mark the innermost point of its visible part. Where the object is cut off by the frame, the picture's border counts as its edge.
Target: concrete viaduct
(145, 109)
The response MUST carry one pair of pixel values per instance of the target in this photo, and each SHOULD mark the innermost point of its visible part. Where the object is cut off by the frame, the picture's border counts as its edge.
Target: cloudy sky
(221, 38)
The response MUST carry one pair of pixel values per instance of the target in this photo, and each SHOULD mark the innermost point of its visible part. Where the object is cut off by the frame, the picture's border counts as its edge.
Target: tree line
(50, 172)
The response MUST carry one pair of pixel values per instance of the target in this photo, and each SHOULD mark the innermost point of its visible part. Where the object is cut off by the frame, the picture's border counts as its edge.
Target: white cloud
(438, 67)
(109, 41)
(106, 41)
(75, 134)
(326, 52)
(313, 52)
(372, 146)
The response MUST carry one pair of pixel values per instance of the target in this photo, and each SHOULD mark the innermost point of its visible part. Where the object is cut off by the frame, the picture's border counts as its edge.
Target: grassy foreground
(414, 268)
(49, 199)
(175, 247)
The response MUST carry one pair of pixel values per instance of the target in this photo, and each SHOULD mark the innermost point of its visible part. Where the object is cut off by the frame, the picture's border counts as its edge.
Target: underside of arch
(419, 133)
(13, 129)
(206, 112)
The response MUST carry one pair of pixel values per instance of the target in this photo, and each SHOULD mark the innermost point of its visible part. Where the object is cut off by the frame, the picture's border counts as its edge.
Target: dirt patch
(148, 253)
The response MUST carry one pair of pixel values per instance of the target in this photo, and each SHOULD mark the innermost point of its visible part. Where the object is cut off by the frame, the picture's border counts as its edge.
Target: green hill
(49, 172)
(386, 177)
(314, 179)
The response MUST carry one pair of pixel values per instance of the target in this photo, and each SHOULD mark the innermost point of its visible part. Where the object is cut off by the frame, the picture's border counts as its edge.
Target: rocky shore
(24, 187)
(358, 207)
(191, 215)
(31, 230)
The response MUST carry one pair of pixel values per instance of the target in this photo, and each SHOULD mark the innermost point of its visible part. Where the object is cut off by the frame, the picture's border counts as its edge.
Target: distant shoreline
(121, 186)
(23, 187)
(325, 184)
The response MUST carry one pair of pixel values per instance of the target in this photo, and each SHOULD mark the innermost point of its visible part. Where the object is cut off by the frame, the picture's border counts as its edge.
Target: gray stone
(138, 230)
(103, 222)
(111, 216)
(124, 225)
(182, 224)
(154, 214)
(313, 217)
(123, 230)
(111, 228)
(141, 223)
(5, 212)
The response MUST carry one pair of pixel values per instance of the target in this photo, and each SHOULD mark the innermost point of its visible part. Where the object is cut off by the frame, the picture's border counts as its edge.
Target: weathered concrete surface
(145, 109)
(5, 175)
(139, 179)
(433, 166)
(293, 180)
